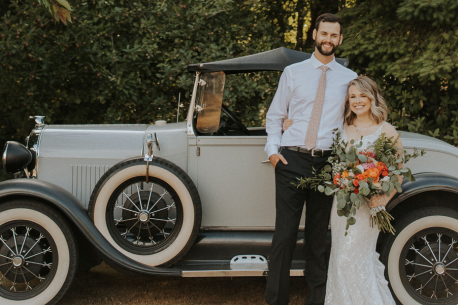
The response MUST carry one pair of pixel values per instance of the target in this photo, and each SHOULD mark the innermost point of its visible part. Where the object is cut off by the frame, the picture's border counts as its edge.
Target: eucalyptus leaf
(353, 197)
(350, 156)
(353, 210)
(362, 158)
(327, 168)
(341, 204)
(327, 190)
(343, 158)
(398, 187)
(320, 188)
(351, 221)
(391, 188)
(385, 186)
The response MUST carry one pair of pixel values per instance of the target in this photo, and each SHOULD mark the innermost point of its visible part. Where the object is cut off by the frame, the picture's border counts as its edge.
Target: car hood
(102, 141)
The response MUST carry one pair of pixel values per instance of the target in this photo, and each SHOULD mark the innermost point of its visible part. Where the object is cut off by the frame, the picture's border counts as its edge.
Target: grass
(103, 285)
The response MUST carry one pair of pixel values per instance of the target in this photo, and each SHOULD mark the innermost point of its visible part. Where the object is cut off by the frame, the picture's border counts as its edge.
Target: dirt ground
(103, 285)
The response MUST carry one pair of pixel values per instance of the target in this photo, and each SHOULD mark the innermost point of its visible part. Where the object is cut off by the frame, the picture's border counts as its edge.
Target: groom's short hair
(328, 17)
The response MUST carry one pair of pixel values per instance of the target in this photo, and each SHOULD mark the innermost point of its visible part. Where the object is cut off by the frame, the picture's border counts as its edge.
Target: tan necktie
(312, 130)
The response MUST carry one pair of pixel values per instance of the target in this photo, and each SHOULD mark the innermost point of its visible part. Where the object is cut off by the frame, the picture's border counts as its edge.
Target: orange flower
(336, 179)
(385, 173)
(356, 182)
(345, 174)
(356, 190)
(372, 173)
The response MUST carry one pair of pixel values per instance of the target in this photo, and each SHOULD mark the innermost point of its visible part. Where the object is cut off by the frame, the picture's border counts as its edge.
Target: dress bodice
(366, 141)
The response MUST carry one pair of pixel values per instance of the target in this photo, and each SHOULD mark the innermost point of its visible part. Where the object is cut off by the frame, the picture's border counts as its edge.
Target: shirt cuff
(272, 150)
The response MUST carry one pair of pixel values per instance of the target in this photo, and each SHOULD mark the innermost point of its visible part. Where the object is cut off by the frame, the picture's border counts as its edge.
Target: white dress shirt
(294, 100)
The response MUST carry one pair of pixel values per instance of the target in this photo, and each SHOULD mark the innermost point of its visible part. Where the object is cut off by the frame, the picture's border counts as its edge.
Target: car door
(236, 187)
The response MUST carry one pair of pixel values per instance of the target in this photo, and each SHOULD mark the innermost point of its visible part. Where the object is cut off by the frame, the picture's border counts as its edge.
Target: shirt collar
(316, 63)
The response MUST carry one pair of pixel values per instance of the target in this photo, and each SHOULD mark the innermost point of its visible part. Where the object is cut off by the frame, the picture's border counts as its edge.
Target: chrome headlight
(15, 157)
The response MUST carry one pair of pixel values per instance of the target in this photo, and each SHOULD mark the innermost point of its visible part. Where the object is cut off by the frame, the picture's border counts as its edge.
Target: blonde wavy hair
(379, 110)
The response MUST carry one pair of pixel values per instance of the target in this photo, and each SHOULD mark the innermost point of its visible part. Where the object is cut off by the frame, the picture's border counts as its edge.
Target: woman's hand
(287, 123)
(379, 200)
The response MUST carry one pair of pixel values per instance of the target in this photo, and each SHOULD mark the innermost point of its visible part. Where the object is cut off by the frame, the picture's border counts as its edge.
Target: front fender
(74, 210)
(425, 182)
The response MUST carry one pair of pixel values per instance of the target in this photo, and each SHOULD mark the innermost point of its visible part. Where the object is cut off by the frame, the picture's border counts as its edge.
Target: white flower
(360, 167)
(387, 179)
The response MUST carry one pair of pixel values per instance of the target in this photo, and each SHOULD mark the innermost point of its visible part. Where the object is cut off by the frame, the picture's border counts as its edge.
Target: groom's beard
(320, 49)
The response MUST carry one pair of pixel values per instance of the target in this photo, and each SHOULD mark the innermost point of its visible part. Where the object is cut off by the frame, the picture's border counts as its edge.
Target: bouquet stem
(383, 221)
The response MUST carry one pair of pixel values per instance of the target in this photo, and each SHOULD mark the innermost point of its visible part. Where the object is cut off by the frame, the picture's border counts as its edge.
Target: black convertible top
(273, 60)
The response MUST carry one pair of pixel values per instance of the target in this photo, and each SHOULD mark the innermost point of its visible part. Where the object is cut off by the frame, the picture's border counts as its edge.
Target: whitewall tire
(154, 222)
(38, 255)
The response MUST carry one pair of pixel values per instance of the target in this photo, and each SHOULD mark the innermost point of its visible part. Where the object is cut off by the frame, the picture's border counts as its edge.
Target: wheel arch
(75, 213)
(429, 189)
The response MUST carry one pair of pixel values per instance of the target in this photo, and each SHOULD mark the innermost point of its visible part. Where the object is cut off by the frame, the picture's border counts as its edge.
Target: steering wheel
(234, 119)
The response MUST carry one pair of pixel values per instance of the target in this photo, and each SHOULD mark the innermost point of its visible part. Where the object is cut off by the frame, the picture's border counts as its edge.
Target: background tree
(410, 48)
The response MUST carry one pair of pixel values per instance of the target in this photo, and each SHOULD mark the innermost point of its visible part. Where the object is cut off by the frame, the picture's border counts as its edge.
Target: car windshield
(210, 101)
(246, 96)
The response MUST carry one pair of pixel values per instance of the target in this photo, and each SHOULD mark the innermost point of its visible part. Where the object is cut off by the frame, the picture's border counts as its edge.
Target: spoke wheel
(38, 256)
(26, 257)
(431, 265)
(143, 216)
(421, 260)
(155, 222)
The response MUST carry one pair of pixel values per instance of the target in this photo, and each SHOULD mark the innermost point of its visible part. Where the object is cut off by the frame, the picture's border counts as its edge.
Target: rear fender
(69, 205)
(425, 183)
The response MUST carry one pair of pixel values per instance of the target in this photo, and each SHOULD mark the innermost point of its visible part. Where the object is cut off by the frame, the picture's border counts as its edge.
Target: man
(312, 94)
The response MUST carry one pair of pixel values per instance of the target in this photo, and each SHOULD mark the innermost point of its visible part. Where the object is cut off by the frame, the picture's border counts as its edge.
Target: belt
(313, 152)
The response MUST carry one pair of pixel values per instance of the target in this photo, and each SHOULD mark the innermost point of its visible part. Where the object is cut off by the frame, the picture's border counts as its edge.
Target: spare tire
(154, 221)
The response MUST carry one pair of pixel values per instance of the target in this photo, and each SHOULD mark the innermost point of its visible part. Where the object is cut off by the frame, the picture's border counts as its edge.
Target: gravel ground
(103, 285)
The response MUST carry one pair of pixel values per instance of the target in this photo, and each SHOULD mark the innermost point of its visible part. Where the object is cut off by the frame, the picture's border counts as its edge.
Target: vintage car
(194, 199)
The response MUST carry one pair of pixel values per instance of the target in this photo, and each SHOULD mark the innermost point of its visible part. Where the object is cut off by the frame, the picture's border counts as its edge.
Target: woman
(355, 274)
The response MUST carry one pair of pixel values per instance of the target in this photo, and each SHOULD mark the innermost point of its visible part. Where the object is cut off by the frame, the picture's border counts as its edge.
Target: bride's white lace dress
(355, 274)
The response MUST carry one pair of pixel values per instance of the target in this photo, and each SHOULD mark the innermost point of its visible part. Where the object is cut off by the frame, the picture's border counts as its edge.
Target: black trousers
(289, 205)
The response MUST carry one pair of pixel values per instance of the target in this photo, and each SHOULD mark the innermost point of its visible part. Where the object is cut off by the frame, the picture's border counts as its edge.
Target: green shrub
(410, 48)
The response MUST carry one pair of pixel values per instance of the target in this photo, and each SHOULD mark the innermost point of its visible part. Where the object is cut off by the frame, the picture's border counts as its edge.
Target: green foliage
(410, 49)
(124, 61)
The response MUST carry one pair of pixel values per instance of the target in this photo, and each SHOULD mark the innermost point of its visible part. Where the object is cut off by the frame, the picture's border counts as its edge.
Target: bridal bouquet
(356, 174)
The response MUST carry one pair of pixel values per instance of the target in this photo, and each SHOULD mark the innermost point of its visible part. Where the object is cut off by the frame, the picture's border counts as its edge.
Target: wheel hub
(439, 268)
(143, 216)
(18, 261)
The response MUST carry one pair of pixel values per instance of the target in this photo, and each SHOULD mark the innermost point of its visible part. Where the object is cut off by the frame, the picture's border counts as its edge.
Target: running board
(234, 273)
(223, 269)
